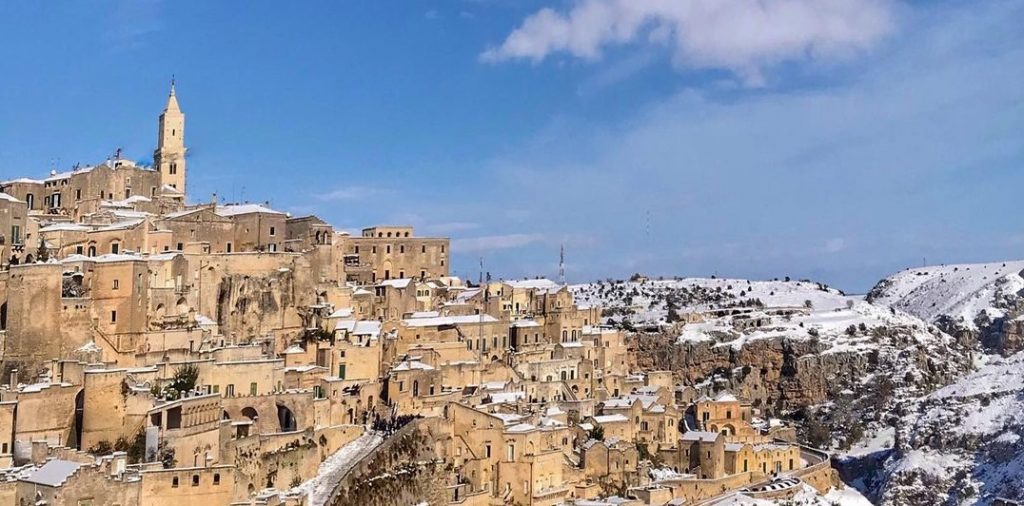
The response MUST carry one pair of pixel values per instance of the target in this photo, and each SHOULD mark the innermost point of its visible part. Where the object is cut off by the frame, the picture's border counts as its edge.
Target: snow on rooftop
(65, 227)
(240, 209)
(533, 284)
(4, 196)
(697, 435)
(450, 320)
(53, 473)
(602, 419)
(396, 283)
(411, 365)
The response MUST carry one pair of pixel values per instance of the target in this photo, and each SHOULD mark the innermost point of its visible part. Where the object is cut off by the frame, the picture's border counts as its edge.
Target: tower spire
(172, 85)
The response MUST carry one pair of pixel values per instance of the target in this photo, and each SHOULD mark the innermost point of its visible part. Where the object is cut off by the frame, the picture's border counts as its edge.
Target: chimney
(14, 379)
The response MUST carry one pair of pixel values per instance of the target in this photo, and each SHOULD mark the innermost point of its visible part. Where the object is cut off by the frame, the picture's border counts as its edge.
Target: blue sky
(838, 140)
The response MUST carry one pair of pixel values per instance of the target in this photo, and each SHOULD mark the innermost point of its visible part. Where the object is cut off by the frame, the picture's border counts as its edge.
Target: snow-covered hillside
(648, 302)
(962, 444)
(960, 292)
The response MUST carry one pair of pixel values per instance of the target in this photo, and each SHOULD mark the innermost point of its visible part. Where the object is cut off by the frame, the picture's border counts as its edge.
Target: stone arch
(714, 428)
(29, 258)
(182, 306)
(250, 413)
(285, 418)
(728, 430)
(159, 312)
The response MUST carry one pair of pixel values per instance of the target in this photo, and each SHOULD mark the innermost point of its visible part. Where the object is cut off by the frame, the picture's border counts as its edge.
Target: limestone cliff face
(406, 469)
(249, 306)
(788, 373)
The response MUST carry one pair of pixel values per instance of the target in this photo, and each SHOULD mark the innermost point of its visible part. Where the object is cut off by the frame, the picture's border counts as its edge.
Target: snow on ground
(964, 436)
(807, 496)
(335, 467)
(960, 291)
(645, 301)
(876, 440)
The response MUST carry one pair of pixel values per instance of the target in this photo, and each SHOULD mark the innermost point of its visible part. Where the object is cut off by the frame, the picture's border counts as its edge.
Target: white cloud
(739, 35)
(494, 242)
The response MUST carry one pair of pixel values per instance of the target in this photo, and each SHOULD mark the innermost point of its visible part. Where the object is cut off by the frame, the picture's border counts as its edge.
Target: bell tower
(169, 157)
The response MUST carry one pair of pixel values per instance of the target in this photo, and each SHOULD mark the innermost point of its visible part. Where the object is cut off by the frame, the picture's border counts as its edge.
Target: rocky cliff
(960, 444)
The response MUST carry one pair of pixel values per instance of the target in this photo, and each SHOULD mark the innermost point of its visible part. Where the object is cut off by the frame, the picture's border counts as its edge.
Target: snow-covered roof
(425, 314)
(525, 324)
(450, 320)
(342, 312)
(240, 209)
(725, 396)
(602, 419)
(507, 397)
(4, 196)
(699, 435)
(533, 283)
(411, 365)
(396, 283)
(53, 473)
(186, 212)
(22, 180)
(65, 227)
(121, 225)
(359, 327)
(521, 427)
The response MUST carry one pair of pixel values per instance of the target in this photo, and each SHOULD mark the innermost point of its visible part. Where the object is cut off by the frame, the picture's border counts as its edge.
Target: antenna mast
(561, 265)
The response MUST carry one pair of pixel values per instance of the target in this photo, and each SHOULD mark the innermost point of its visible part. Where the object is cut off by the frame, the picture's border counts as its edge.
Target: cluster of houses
(156, 352)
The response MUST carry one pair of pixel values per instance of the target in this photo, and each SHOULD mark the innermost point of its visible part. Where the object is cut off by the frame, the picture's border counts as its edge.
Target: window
(78, 250)
(181, 247)
(442, 249)
(230, 391)
(116, 284)
(487, 450)
(114, 247)
(272, 231)
(216, 478)
(373, 250)
(113, 317)
(356, 251)
(16, 234)
(252, 388)
(401, 249)
(229, 247)
(173, 169)
(423, 249)
(30, 200)
(388, 248)
(195, 480)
